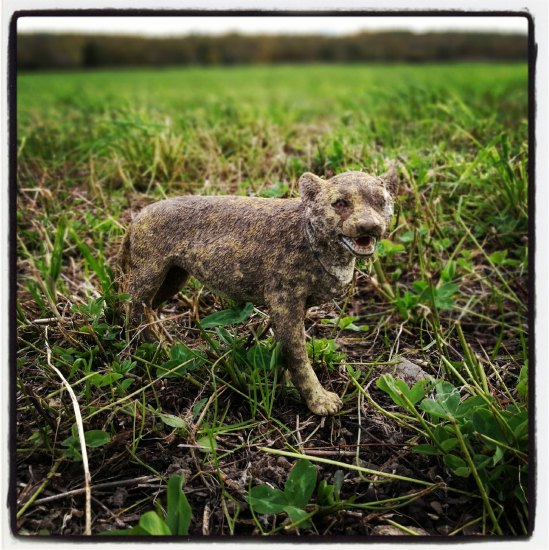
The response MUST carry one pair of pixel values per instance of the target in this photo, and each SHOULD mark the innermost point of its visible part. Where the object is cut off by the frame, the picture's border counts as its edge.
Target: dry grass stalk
(80, 426)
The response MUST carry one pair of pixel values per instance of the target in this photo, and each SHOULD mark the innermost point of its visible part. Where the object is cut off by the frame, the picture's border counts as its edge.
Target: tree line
(77, 51)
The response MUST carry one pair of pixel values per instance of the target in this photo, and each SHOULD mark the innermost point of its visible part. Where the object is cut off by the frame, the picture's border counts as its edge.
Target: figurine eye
(340, 203)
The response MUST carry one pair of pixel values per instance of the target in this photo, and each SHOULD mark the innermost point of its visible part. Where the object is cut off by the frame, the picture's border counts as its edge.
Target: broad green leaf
(397, 388)
(325, 350)
(444, 295)
(421, 287)
(385, 247)
(484, 422)
(181, 353)
(388, 384)
(347, 323)
(425, 450)
(126, 366)
(407, 236)
(434, 408)
(125, 384)
(467, 265)
(449, 444)
(445, 437)
(443, 387)
(325, 493)
(187, 358)
(197, 408)
(516, 414)
(179, 511)
(481, 461)
(172, 420)
(297, 514)
(457, 465)
(300, 484)
(442, 432)
(102, 380)
(406, 302)
(403, 388)
(447, 396)
(498, 257)
(451, 402)
(468, 405)
(96, 438)
(419, 390)
(521, 430)
(267, 500)
(339, 477)
(153, 524)
(444, 390)
(344, 322)
(228, 316)
(207, 444)
(449, 271)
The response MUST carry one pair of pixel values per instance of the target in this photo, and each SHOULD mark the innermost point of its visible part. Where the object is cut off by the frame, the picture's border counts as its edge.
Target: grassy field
(201, 433)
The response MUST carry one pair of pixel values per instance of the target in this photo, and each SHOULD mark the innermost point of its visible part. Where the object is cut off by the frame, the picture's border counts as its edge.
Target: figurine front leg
(287, 317)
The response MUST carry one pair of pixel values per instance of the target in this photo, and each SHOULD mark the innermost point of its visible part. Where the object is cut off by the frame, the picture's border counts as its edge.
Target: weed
(298, 489)
(475, 436)
(345, 323)
(175, 521)
(94, 438)
(324, 350)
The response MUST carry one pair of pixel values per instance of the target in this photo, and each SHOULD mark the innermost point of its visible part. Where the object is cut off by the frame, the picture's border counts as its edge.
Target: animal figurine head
(349, 212)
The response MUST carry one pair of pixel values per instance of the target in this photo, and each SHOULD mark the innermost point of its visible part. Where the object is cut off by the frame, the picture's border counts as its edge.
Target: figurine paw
(324, 403)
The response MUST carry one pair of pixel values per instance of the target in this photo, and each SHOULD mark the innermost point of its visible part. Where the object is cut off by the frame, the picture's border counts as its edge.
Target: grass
(447, 290)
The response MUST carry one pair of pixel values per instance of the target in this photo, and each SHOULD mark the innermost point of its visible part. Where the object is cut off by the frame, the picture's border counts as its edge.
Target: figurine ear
(309, 186)
(390, 180)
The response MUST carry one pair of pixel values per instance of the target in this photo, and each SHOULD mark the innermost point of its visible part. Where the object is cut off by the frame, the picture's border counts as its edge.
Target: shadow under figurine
(288, 254)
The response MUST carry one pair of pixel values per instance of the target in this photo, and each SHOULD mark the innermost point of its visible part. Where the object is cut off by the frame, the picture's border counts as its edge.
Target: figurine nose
(372, 226)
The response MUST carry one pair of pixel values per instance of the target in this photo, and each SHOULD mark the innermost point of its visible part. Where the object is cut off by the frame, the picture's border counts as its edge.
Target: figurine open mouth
(363, 246)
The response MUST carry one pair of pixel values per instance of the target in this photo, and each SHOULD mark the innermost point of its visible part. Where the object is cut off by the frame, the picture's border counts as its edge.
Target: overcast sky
(180, 25)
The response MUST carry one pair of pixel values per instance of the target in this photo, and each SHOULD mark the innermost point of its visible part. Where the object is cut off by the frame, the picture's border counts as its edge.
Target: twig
(206, 520)
(396, 343)
(328, 452)
(298, 431)
(80, 426)
(96, 487)
(119, 523)
(46, 321)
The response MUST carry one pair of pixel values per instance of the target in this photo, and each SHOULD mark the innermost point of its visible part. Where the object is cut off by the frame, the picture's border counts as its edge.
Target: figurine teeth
(358, 249)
